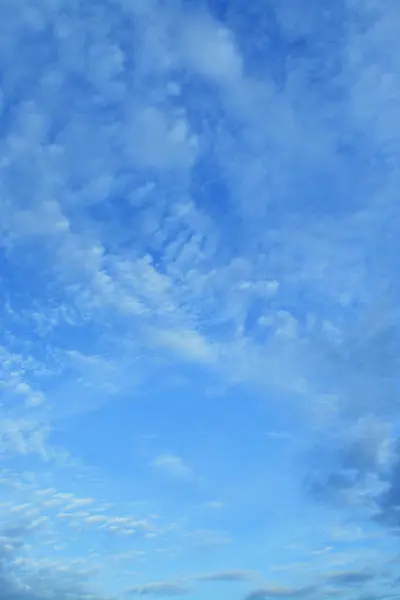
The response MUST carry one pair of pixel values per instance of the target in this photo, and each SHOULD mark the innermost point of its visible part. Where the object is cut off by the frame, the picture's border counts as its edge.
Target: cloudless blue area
(199, 316)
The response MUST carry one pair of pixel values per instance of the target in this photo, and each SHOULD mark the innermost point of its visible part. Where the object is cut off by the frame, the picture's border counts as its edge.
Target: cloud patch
(24, 578)
(266, 593)
(350, 578)
(165, 589)
(172, 466)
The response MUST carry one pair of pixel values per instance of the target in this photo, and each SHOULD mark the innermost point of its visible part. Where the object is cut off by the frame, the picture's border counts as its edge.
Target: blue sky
(199, 319)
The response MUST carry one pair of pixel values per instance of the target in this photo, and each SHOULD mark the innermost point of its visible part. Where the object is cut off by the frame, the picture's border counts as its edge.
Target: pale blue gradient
(199, 352)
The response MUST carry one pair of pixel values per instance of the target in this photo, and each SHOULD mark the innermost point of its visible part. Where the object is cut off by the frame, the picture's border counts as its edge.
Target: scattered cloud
(160, 589)
(29, 579)
(280, 592)
(349, 578)
(172, 466)
(352, 464)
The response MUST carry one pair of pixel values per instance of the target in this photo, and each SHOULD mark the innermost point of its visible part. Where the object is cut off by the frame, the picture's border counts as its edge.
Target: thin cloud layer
(275, 592)
(160, 589)
(349, 578)
(227, 576)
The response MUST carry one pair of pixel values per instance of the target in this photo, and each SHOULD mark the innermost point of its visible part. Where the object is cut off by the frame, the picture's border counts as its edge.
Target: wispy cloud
(29, 579)
(173, 466)
(275, 592)
(160, 589)
(349, 578)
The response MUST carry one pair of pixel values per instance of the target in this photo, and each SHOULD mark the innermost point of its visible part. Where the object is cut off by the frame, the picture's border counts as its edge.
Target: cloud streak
(168, 590)
(280, 592)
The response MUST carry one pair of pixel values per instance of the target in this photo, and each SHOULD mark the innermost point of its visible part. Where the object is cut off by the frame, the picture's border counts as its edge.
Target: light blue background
(199, 299)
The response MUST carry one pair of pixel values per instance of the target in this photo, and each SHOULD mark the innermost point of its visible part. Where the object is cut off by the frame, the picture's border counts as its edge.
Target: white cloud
(20, 507)
(96, 519)
(23, 437)
(172, 466)
(79, 502)
(188, 344)
(209, 49)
